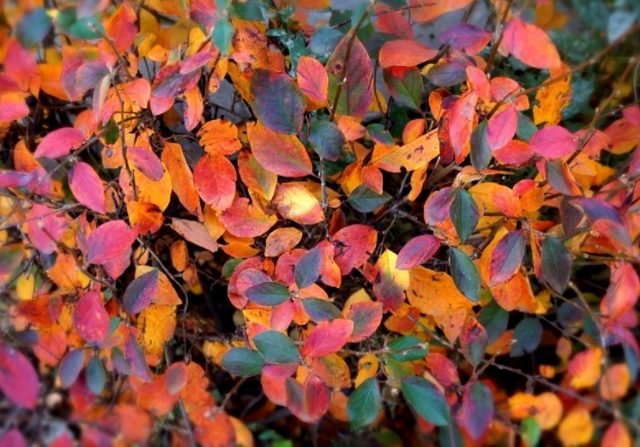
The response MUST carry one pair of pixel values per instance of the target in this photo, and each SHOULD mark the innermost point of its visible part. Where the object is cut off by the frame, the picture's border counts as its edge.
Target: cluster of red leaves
(391, 219)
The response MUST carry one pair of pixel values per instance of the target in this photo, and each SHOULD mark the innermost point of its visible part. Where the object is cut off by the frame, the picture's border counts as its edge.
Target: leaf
(215, 180)
(219, 137)
(506, 258)
(243, 219)
(70, 367)
(353, 75)
(223, 34)
(181, 177)
(18, 379)
(328, 337)
(326, 139)
(577, 427)
(530, 44)
(140, 292)
(365, 200)
(291, 158)
(33, 27)
(556, 264)
(307, 270)
(194, 232)
(96, 376)
(86, 186)
(406, 349)
(59, 143)
(480, 149)
(464, 273)
(276, 347)
(353, 246)
(268, 293)
(623, 291)
(527, 335)
(281, 240)
(366, 317)
(553, 142)
(320, 310)
(242, 362)
(364, 404)
(313, 81)
(584, 369)
(391, 284)
(90, 318)
(473, 341)
(416, 251)
(156, 325)
(404, 53)
(405, 86)
(502, 127)
(146, 161)
(461, 120)
(295, 202)
(477, 410)
(176, 377)
(426, 400)
(531, 431)
(464, 213)
(308, 402)
(109, 242)
(277, 102)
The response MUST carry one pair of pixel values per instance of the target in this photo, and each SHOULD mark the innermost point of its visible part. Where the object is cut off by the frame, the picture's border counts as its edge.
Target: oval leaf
(242, 362)
(464, 273)
(307, 270)
(426, 400)
(506, 258)
(86, 186)
(141, 292)
(327, 338)
(276, 347)
(364, 404)
(268, 293)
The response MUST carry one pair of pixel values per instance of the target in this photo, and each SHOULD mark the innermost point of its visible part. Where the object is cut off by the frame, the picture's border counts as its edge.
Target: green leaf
(526, 128)
(243, 362)
(33, 27)
(222, 35)
(556, 264)
(464, 213)
(326, 139)
(88, 28)
(96, 376)
(229, 267)
(276, 347)
(268, 293)
(320, 310)
(365, 200)
(364, 404)
(406, 349)
(494, 319)
(380, 134)
(527, 335)
(465, 274)
(277, 102)
(426, 400)
(405, 86)
(111, 132)
(531, 431)
(480, 150)
(307, 270)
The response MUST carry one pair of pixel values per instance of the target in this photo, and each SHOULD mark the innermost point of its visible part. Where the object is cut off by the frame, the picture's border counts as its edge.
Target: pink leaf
(91, 319)
(502, 127)
(109, 241)
(553, 142)
(327, 338)
(60, 142)
(530, 44)
(417, 251)
(18, 378)
(86, 186)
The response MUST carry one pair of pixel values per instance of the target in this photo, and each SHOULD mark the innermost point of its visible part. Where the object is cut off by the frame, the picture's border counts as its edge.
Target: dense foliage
(386, 222)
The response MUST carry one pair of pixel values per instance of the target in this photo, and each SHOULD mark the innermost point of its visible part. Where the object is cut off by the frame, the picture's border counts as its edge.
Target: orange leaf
(291, 158)
(215, 180)
(404, 53)
(576, 428)
(296, 203)
(219, 137)
(243, 219)
(530, 44)
(584, 368)
(313, 82)
(181, 177)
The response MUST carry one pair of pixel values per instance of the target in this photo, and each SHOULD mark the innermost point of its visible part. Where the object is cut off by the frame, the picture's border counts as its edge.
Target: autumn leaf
(86, 186)
(60, 142)
(18, 379)
(328, 337)
(109, 242)
(291, 160)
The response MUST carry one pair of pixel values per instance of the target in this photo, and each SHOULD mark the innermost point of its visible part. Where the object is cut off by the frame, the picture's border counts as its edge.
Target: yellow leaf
(548, 410)
(577, 428)
(26, 286)
(615, 382)
(368, 367)
(551, 100)
(584, 368)
(435, 294)
(156, 324)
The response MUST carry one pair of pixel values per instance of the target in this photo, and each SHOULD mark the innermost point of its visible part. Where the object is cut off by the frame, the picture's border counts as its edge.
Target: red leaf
(313, 81)
(215, 179)
(243, 219)
(623, 291)
(477, 410)
(506, 258)
(45, 227)
(86, 186)
(308, 402)
(60, 142)
(194, 232)
(18, 378)
(530, 44)
(145, 161)
(404, 53)
(109, 242)
(327, 338)
(417, 251)
(462, 116)
(91, 319)
(353, 246)
(366, 317)
(502, 127)
(291, 158)
(553, 142)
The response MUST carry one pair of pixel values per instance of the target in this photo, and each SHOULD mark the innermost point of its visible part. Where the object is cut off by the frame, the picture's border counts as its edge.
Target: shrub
(410, 221)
